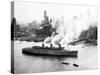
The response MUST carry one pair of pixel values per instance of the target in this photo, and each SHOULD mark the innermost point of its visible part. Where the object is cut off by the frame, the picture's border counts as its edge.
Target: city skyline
(28, 12)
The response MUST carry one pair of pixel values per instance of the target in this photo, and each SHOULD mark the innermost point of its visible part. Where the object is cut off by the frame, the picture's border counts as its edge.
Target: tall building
(45, 26)
(46, 19)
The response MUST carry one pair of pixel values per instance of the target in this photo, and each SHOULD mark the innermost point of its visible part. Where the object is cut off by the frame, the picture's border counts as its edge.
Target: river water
(23, 63)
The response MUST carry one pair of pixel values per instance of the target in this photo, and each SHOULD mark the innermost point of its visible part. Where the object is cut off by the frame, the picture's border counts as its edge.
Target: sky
(26, 12)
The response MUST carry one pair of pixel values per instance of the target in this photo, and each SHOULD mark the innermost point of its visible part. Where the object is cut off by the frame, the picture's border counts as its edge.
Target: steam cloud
(70, 30)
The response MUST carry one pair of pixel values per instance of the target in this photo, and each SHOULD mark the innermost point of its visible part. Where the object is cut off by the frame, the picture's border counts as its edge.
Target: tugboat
(51, 51)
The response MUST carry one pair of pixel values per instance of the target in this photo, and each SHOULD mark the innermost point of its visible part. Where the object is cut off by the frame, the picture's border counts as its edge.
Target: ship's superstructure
(51, 47)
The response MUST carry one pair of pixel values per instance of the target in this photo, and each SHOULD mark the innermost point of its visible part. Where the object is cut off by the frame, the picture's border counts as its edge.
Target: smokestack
(51, 45)
(59, 45)
(42, 45)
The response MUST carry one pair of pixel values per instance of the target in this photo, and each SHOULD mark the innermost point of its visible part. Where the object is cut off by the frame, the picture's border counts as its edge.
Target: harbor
(33, 63)
(51, 42)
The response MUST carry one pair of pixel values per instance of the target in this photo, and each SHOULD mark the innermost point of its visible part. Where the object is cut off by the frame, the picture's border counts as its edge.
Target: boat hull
(50, 52)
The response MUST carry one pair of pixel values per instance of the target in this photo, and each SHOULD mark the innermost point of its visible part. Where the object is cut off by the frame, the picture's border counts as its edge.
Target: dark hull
(50, 52)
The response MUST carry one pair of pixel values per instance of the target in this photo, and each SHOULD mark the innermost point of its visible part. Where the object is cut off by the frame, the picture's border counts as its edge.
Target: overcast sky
(26, 12)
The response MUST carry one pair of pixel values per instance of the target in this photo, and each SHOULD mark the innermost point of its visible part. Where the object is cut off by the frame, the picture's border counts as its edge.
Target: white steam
(69, 29)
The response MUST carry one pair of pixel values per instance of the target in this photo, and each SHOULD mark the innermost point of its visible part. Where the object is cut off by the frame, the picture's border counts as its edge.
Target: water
(23, 63)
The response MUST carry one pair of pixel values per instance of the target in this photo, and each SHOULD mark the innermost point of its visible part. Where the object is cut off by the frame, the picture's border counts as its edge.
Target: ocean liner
(51, 51)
